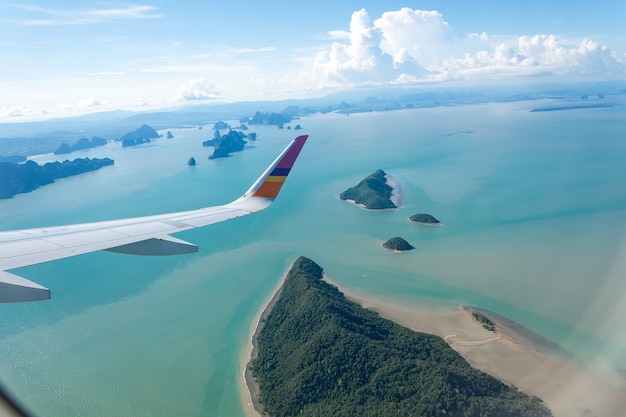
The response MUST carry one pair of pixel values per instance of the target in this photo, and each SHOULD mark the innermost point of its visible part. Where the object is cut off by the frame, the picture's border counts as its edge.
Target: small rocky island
(26, 177)
(423, 218)
(397, 244)
(372, 193)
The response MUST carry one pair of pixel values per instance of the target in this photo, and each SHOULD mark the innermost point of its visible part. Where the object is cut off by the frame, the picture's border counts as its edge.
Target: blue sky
(72, 57)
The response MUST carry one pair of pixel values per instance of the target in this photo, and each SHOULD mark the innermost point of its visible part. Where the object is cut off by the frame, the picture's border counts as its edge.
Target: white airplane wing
(148, 235)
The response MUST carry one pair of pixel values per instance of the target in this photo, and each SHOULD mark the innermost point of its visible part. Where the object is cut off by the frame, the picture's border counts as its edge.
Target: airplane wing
(148, 235)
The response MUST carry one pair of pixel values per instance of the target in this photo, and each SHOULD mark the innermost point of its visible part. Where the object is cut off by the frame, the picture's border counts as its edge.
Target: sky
(70, 57)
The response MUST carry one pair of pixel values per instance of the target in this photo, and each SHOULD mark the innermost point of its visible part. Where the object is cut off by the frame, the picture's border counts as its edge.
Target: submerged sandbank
(512, 354)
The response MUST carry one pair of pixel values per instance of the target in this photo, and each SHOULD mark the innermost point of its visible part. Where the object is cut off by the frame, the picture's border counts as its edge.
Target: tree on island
(319, 354)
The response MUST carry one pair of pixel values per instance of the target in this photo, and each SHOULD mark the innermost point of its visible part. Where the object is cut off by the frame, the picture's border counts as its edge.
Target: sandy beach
(248, 388)
(512, 354)
(517, 357)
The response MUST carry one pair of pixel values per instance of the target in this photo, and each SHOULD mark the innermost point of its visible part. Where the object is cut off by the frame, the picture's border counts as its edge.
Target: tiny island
(373, 193)
(317, 353)
(423, 218)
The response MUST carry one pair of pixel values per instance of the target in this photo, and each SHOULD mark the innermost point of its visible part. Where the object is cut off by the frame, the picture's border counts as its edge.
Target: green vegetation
(398, 244)
(320, 354)
(424, 218)
(373, 192)
(481, 318)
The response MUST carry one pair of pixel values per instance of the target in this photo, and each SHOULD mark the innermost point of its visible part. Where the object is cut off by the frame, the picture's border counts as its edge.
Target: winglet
(269, 184)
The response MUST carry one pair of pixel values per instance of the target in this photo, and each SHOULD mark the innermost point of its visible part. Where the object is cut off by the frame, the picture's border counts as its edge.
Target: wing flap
(14, 289)
(156, 247)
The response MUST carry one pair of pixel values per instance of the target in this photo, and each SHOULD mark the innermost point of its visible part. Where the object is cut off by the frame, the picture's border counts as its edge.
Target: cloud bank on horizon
(400, 47)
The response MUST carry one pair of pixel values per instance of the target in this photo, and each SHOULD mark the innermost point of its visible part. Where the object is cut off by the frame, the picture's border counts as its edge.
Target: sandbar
(513, 354)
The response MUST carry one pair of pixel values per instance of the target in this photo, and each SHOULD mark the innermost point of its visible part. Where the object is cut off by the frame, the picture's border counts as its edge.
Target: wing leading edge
(148, 235)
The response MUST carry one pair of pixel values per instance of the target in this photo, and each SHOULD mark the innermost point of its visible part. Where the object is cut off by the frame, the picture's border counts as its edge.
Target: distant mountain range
(32, 138)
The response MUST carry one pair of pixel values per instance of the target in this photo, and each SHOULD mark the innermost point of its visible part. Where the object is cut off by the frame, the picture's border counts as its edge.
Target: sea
(533, 212)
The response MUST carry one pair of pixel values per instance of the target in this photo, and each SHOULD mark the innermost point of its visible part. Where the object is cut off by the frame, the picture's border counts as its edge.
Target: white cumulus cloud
(412, 46)
(197, 89)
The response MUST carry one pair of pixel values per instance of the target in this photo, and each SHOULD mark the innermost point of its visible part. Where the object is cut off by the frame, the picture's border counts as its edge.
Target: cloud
(54, 17)
(197, 89)
(361, 59)
(89, 102)
(415, 46)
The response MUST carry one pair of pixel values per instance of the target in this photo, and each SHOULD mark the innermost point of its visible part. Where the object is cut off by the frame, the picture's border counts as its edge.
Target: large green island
(320, 354)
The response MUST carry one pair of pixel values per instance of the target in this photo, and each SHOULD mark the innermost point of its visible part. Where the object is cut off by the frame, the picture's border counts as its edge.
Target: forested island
(424, 218)
(397, 244)
(319, 354)
(23, 178)
(372, 193)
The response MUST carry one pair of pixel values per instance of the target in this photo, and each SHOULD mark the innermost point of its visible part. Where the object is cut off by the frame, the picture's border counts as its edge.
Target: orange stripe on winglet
(269, 189)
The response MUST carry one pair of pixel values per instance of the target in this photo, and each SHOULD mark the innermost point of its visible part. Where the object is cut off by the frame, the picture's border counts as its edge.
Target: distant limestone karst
(424, 218)
(144, 134)
(233, 141)
(398, 244)
(82, 143)
(191, 162)
(372, 193)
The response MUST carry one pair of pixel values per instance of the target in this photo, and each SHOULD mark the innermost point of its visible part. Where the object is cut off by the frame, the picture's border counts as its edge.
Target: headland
(511, 353)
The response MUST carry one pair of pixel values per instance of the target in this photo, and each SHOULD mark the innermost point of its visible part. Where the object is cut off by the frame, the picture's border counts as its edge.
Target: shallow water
(534, 213)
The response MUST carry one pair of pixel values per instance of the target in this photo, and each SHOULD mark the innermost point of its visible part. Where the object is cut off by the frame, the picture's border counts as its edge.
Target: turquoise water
(534, 213)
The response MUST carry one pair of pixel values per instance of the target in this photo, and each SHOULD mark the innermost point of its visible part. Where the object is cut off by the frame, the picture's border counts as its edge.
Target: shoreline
(248, 387)
(513, 354)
